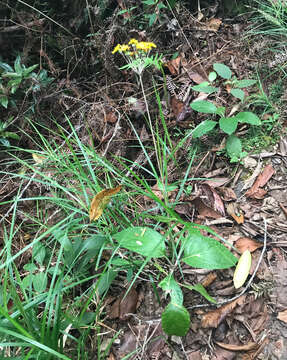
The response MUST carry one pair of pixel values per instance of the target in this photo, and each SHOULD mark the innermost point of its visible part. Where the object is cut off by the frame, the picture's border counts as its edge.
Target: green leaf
(6, 67)
(30, 267)
(202, 291)
(203, 106)
(239, 94)
(142, 240)
(105, 281)
(39, 253)
(39, 282)
(175, 320)
(17, 65)
(212, 76)
(242, 269)
(203, 128)
(248, 118)
(220, 111)
(4, 142)
(149, 2)
(222, 70)
(152, 18)
(4, 101)
(228, 125)
(245, 83)
(233, 146)
(9, 134)
(169, 285)
(205, 88)
(207, 253)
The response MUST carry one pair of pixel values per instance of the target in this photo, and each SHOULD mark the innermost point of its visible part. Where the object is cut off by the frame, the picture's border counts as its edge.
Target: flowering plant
(137, 55)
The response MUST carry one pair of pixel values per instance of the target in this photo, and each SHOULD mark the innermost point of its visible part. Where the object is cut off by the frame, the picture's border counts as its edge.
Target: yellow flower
(145, 46)
(133, 42)
(116, 49)
(121, 48)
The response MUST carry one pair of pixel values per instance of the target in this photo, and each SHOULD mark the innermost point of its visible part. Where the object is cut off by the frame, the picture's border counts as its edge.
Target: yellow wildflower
(145, 46)
(133, 42)
(121, 48)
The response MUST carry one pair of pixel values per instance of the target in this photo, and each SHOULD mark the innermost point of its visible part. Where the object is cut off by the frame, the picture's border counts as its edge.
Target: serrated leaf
(242, 269)
(233, 146)
(170, 286)
(245, 83)
(207, 253)
(228, 125)
(100, 201)
(175, 320)
(39, 282)
(239, 94)
(203, 128)
(248, 117)
(222, 70)
(142, 240)
(203, 106)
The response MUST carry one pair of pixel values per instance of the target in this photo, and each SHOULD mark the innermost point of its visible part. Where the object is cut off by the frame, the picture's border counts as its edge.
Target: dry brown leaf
(215, 317)
(196, 77)
(245, 243)
(214, 199)
(256, 192)
(176, 106)
(282, 315)
(100, 201)
(204, 210)
(233, 211)
(247, 347)
(123, 7)
(227, 194)
(111, 117)
(213, 24)
(209, 279)
(174, 65)
(124, 305)
(216, 182)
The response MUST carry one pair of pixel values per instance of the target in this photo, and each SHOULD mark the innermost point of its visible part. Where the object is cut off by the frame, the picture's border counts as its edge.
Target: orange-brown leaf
(100, 201)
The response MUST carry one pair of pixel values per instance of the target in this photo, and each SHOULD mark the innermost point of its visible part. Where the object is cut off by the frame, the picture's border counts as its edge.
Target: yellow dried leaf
(100, 201)
(39, 159)
(242, 269)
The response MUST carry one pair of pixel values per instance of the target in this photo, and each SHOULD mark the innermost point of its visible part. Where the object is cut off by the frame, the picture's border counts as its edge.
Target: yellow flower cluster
(135, 45)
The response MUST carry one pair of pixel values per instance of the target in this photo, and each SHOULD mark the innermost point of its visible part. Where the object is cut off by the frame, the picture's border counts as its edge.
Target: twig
(250, 280)
(7, 29)
(117, 127)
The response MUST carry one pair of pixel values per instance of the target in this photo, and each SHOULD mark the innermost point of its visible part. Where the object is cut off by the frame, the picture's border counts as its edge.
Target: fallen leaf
(247, 347)
(213, 24)
(100, 201)
(111, 117)
(255, 191)
(242, 269)
(196, 77)
(204, 210)
(216, 182)
(233, 211)
(177, 106)
(214, 199)
(39, 159)
(214, 318)
(124, 305)
(227, 194)
(122, 5)
(174, 65)
(282, 315)
(245, 243)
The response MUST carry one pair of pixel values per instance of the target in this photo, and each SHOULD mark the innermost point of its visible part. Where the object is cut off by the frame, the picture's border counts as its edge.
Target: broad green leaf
(169, 285)
(239, 94)
(30, 267)
(245, 83)
(220, 110)
(4, 101)
(152, 18)
(222, 70)
(149, 2)
(233, 146)
(39, 282)
(201, 289)
(205, 87)
(6, 67)
(203, 128)
(212, 76)
(142, 240)
(17, 65)
(207, 253)
(248, 118)
(203, 106)
(228, 125)
(242, 269)
(27, 281)
(175, 320)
